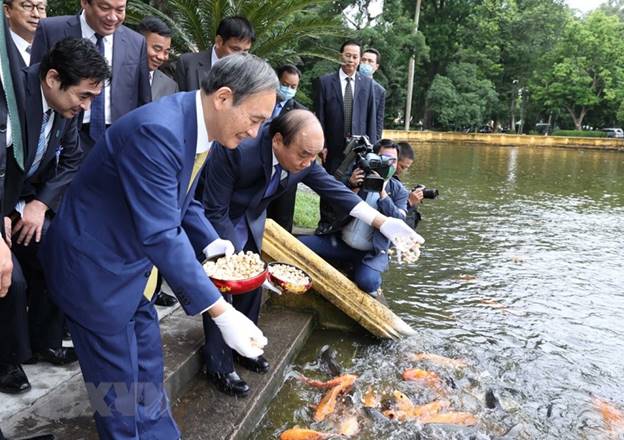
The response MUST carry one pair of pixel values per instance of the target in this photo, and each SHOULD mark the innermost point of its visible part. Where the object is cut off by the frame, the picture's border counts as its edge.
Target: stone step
(61, 405)
(203, 413)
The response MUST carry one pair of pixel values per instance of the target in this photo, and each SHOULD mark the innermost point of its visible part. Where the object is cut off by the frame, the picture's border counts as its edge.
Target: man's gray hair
(244, 73)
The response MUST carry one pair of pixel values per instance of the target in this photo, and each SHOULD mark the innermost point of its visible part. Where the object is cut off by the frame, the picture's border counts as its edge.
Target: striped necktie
(41, 145)
(150, 287)
(97, 124)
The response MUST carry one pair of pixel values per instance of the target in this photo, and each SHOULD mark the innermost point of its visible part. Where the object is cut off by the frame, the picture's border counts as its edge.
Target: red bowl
(285, 285)
(237, 287)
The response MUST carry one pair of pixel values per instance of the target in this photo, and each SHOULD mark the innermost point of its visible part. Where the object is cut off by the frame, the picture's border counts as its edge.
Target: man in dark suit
(23, 18)
(12, 284)
(56, 91)
(241, 183)
(101, 23)
(129, 214)
(282, 209)
(234, 35)
(344, 103)
(158, 39)
(368, 66)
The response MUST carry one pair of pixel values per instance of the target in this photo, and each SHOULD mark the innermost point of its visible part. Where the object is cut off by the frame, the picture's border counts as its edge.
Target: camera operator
(406, 158)
(353, 241)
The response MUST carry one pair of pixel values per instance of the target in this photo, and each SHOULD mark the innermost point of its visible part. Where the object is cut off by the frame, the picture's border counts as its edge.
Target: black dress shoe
(258, 365)
(13, 380)
(229, 383)
(165, 300)
(56, 356)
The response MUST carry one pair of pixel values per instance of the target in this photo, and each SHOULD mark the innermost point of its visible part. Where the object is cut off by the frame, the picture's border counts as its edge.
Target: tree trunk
(578, 120)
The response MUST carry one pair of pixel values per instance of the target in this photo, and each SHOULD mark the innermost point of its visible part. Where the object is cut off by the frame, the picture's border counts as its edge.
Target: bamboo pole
(279, 245)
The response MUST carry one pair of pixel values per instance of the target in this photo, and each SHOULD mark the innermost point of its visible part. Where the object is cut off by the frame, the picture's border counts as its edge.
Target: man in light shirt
(23, 17)
(101, 22)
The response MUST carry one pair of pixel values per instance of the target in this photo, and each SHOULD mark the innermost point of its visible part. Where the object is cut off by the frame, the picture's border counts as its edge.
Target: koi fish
(613, 418)
(349, 426)
(436, 359)
(327, 405)
(449, 418)
(297, 433)
(428, 378)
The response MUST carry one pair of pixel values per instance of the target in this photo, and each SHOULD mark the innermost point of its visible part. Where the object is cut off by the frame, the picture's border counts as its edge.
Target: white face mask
(366, 70)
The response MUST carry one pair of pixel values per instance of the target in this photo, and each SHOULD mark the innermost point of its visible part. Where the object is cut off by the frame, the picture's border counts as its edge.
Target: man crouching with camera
(350, 243)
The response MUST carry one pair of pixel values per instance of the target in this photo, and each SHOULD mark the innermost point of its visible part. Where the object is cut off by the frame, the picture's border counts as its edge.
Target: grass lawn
(306, 209)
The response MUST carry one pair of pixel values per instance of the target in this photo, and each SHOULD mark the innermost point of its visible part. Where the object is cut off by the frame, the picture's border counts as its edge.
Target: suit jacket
(129, 208)
(292, 104)
(130, 87)
(8, 192)
(380, 103)
(62, 156)
(328, 105)
(192, 68)
(236, 181)
(162, 85)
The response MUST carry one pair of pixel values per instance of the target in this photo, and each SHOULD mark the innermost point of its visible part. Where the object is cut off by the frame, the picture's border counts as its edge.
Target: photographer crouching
(368, 172)
(419, 192)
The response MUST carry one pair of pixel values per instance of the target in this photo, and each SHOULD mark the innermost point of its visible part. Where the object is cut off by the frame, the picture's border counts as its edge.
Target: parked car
(614, 132)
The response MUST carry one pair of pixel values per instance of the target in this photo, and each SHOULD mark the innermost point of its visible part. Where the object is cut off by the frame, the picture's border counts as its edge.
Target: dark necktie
(348, 107)
(9, 93)
(97, 124)
(41, 145)
(274, 182)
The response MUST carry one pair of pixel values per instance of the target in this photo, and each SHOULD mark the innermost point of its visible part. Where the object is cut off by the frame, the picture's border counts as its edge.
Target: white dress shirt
(9, 139)
(22, 47)
(343, 82)
(213, 57)
(89, 34)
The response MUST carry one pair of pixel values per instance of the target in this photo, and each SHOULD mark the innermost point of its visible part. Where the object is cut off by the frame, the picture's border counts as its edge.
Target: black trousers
(282, 209)
(15, 340)
(327, 213)
(86, 142)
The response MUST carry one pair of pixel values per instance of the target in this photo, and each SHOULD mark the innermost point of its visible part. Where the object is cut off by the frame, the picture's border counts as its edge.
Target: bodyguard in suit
(344, 103)
(368, 66)
(23, 18)
(101, 23)
(241, 183)
(234, 35)
(282, 209)
(129, 210)
(56, 91)
(158, 39)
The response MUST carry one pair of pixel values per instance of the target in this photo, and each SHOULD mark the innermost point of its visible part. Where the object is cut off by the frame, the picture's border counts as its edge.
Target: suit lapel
(204, 64)
(190, 146)
(54, 140)
(73, 28)
(335, 79)
(34, 108)
(119, 55)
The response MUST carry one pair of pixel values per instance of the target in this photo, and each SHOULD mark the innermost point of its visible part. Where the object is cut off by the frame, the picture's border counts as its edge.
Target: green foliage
(461, 99)
(579, 133)
(584, 67)
(281, 25)
(306, 209)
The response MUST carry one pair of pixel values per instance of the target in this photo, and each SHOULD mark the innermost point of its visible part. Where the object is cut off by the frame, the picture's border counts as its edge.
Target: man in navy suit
(101, 23)
(129, 210)
(344, 103)
(368, 66)
(241, 183)
(56, 91)
(234, 35)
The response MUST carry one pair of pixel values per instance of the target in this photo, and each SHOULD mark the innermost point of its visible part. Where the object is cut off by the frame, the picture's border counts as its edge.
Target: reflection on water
(522, 274)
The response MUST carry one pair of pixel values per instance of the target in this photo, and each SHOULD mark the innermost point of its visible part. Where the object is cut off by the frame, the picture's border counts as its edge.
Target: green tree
(281, 25)
(584, 69)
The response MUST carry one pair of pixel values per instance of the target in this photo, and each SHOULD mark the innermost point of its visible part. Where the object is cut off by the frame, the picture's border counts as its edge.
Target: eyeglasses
(29, 7)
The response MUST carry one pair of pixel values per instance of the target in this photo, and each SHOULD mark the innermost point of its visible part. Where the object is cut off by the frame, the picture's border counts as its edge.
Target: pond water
(522, 277)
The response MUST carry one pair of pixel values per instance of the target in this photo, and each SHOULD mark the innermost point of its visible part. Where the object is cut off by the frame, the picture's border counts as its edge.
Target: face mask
(391, 171)
(286, 92)
(366, 70)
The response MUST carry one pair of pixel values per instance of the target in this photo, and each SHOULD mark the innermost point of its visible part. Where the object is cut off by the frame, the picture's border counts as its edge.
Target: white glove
(240, 333)
(399, 233)
(219, 247)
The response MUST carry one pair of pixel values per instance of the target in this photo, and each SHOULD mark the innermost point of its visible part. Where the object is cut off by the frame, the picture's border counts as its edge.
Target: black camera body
(360, 150)
(428, 193)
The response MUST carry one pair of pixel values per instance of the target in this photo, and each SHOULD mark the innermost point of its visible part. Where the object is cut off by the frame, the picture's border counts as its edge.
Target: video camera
(428, 193)
(359, 150)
